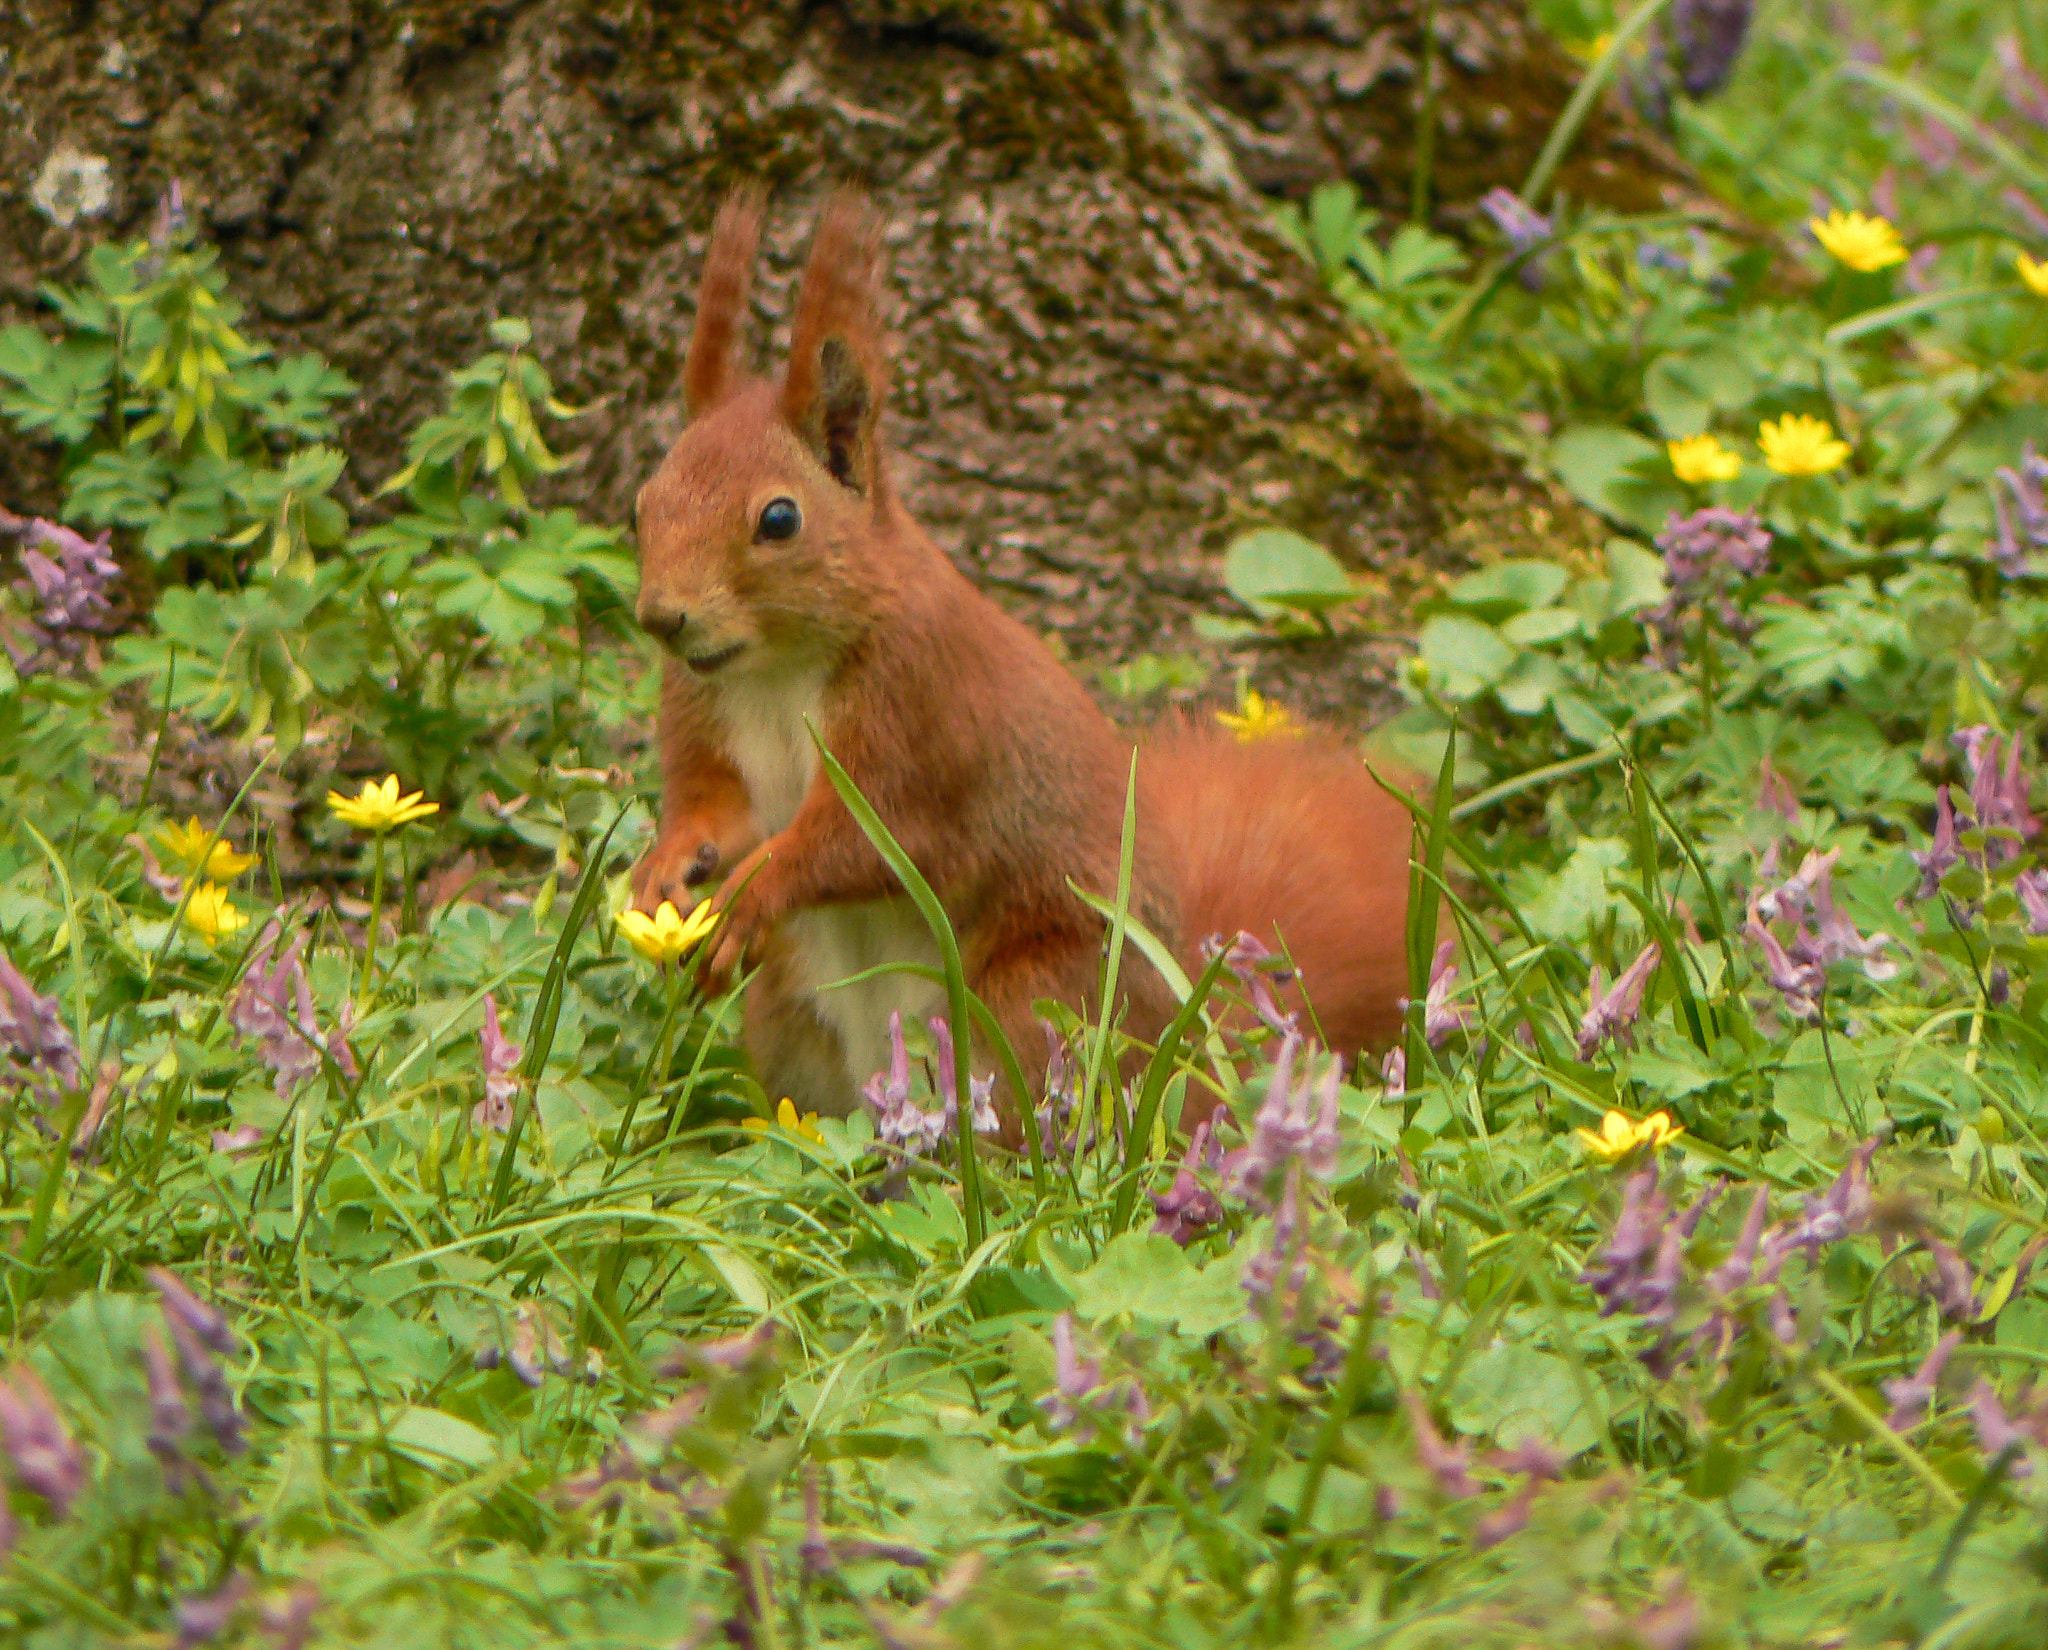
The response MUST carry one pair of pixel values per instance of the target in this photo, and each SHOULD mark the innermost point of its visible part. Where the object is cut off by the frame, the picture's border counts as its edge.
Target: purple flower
(33, 1033)
(2032, 888)
(1080, 1397)
(207, 1380)
(1612, 1012)
(1394, 1073)
(1774, 795)
(1715, 537)
(1799, 983)
(1448, 1464)
(1953, 1287)
(273, 1007)
(1841, 1211)
(206, 1326)
(1705, 554)
(45, 1459)
(1060, 1098)
(243, 1137)
(537, 1348)
(1943, 855)
(981, 1090)
(1735, 1272)
(1188, 1208)
(500, 1060)
(1522, 225)
(1635, 1269)
(1998, 1432)
(1257, 971)
(1911, 1394)
(1708, 36)
(201, 1620)
(170, 1417)
(68, 589)
(95, 1113)
(1297, 1123)
(2025, 91)
(1999, 790)
(1440, 1015)
(901, 1124)
(725, 1356)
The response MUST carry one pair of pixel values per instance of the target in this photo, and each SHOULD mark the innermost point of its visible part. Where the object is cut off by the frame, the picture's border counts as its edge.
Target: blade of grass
(547, 1012)
(973, 1212)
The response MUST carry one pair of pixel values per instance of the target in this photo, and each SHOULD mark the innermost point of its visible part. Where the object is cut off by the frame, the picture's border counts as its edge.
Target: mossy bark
(1107, 362)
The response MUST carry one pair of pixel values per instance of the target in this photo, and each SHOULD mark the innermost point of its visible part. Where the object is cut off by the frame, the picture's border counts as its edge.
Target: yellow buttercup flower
(1864, 244)
(1618, 1136)
(1800, 445)
(1260, 718)
(188, 843)
(209, 914)
(1702, 458)
(379, 807)
(786, 1119)
(668, 935)
(2034, 274)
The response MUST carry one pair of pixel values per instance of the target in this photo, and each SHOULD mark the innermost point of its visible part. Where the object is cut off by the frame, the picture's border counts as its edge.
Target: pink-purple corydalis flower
(535, 1349)
(1707, 38)
(2000, 790)
(981, 1090)
(1441, 1014)
(1797, 970)
(1081, 1400)
(1448, 1465)
(1998, 1431)
(40, 1449)
(1944, 853)
(273, 1007)
(1296, 1123)
(1188, 1207)
(499, 1057)
(1523, 226)
(203, 1619)
(41, 1053)
(1911, 1394)
(1698, 546)
(67, 588)
(201, 1335)
(1612, 1012)
(2009, 549)
(1257, 970)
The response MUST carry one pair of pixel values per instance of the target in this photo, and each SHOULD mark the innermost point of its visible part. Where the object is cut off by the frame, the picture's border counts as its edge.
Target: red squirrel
(789, 588)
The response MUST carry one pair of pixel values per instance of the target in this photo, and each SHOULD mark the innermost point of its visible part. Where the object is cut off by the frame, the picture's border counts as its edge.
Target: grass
(1434, 1363)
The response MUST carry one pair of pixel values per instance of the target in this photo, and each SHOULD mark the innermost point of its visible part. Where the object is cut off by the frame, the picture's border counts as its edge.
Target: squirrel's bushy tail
(1291, 841)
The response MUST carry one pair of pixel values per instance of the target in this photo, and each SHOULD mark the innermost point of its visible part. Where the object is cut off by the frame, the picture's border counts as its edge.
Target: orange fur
(712, 364)
(989, 763)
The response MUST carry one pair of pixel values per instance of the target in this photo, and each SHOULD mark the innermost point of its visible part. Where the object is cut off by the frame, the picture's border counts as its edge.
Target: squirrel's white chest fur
(765, 712)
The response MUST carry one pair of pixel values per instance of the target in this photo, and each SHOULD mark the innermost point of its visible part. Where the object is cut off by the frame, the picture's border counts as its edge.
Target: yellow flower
(1799, 445)
(1260, 718)
(668, 935)
(786, 1119)
(2034, 274)
(1864, 244)
(209, 912)
(380, 808)
(188, 842)
(1703, 458)
(1618, 1136)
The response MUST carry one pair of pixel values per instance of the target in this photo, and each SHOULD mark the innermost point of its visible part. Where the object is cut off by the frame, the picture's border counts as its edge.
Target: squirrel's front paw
(672, 870)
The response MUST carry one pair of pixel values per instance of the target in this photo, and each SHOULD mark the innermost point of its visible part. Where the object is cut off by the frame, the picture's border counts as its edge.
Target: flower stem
(376, 916)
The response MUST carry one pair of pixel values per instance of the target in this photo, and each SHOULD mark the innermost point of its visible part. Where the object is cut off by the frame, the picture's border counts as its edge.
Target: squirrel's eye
(780, 519)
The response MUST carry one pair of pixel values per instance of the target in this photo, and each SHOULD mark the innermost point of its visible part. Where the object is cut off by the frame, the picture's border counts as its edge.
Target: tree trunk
(1107, 363)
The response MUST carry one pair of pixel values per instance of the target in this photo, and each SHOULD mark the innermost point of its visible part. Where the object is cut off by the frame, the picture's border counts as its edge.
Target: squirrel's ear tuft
(711, 370)
(832, 391)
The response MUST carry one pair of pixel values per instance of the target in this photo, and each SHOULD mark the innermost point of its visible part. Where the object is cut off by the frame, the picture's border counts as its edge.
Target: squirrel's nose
(664, 624)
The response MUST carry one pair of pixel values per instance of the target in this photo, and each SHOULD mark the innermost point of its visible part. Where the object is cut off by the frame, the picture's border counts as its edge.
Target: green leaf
(1615, 470)
(1635, 577)
(434, 1438)
(1576, 896)
(1508, 588)
(1541, 625)
(1465, 658)
(1146, 1275)
(1514, 1392)
(1273, 569)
